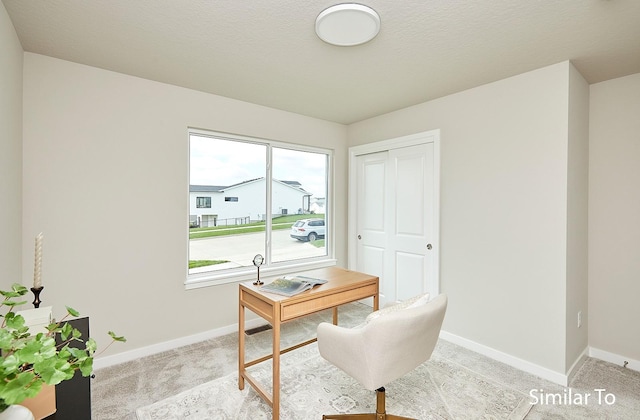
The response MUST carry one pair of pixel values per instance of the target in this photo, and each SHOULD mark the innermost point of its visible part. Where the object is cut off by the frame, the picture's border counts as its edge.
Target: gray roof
(206, 188)
(244, 182)
(220, 188)
(295, 184)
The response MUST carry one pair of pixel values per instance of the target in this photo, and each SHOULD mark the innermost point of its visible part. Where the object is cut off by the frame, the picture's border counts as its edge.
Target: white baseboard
(616, 359)
(532, 368)
(127, 356)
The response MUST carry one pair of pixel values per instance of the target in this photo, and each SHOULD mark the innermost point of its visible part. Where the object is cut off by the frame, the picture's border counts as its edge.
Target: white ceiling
(266, 51)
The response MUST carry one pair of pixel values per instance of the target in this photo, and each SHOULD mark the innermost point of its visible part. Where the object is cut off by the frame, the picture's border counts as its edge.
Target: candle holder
(36, 291)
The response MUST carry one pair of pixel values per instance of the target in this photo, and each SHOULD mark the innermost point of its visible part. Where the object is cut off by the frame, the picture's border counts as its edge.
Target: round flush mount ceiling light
(347, 24)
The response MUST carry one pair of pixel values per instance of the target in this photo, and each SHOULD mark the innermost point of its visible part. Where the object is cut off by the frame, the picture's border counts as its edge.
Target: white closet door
(412, 218)
(372, 215)
(395, 220)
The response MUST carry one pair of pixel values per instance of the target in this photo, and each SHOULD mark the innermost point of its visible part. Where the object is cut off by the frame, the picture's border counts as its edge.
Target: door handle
(359, 237)
(429, 247)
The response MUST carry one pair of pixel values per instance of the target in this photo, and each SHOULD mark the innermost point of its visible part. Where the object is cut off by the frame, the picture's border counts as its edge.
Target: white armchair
(391, 343)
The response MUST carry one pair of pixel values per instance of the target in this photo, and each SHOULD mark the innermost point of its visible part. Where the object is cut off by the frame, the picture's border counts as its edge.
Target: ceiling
(266, 51)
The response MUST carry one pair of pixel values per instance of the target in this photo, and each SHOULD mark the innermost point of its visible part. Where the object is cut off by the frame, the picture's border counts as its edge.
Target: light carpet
(311, 386)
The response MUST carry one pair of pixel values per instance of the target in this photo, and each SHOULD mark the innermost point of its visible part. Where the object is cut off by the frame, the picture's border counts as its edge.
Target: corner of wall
(577, 217)
(11, 56)
(614, 175)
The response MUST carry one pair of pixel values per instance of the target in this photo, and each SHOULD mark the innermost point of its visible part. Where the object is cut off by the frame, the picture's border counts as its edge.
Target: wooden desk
(344, 286)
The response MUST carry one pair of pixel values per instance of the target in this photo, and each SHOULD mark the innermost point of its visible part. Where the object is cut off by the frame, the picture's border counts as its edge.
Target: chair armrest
(344, 348)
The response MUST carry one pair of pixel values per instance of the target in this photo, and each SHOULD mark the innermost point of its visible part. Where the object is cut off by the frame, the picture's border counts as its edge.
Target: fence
(212, 221)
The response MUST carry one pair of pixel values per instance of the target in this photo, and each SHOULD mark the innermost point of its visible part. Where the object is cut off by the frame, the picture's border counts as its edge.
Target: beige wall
(577, 217)
(614, 225)
(10, 153)
(504, 172)
(106, 180)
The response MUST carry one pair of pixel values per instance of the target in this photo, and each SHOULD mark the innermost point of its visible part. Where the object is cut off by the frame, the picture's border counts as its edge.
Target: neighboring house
(212, 205)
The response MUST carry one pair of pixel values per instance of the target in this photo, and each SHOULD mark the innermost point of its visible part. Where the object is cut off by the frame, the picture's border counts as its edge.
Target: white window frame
(268, 269)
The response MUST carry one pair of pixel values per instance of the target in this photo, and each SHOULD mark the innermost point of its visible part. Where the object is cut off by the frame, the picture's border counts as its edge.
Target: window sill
(211, 278)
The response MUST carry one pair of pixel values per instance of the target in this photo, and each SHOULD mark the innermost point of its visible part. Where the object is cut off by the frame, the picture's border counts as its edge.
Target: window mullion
(269, 216)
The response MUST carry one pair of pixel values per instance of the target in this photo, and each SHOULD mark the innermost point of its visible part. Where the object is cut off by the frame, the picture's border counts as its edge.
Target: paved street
(240, 249)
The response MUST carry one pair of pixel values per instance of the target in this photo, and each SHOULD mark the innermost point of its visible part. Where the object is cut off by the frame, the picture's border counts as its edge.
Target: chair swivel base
(380, 413)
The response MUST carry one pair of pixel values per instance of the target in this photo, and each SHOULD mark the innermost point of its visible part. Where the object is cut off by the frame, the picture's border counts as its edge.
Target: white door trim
(432, 136)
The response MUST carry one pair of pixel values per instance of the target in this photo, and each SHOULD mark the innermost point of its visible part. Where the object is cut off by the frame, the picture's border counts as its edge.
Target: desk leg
(335, 315)
(240, 346)
(276, 363)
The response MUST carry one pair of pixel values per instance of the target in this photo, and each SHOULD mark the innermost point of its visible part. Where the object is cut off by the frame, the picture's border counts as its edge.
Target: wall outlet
(579, 319)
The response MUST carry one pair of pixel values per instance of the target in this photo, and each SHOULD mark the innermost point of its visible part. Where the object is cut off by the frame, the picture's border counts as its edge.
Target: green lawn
(204, 263)
(318, 243)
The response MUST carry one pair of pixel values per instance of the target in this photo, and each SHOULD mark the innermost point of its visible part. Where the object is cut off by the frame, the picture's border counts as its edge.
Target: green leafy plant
(29, 361)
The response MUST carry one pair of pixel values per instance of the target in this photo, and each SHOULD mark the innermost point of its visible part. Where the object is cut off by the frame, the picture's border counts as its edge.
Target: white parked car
(308, 229)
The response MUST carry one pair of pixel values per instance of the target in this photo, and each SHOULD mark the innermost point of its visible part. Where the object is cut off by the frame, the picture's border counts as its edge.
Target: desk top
(339, 278)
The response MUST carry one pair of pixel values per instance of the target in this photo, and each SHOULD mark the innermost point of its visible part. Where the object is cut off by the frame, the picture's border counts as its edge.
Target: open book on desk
(291, 285)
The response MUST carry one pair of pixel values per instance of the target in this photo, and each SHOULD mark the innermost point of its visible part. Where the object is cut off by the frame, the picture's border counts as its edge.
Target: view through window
(236, 213)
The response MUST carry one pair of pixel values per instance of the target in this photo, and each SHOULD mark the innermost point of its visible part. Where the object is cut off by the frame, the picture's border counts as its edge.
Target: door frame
(431, 136)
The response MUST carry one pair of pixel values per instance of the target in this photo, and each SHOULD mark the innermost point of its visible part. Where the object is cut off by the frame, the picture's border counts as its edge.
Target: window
(258, 207)
(203, 202)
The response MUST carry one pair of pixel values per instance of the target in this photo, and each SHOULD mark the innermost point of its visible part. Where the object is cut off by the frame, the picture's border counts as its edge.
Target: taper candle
(37, 269)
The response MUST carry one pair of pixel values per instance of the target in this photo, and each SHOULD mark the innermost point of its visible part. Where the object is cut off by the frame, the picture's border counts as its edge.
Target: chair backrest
(402, 340)
(387, 346)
